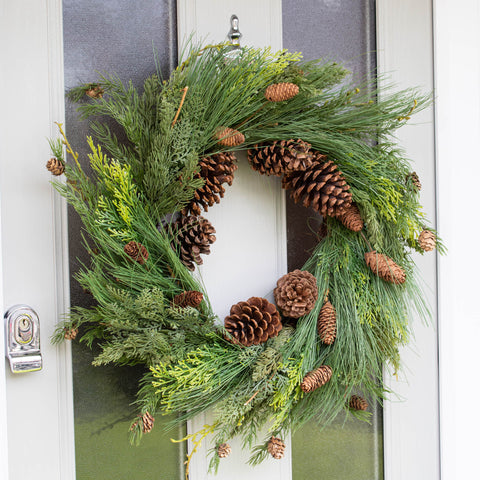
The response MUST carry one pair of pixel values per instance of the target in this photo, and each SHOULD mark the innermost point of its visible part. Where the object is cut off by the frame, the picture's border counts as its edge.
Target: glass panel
(114, 36)
(343, 31)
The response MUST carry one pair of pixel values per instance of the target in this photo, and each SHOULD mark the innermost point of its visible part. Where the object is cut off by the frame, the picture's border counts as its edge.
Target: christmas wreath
(322, 347)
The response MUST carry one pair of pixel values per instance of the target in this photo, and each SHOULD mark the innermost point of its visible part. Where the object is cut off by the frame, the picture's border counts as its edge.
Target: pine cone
(327, 323)
(276, 448)
(147, 422)
(228, 137)
(136, 251)
(224, 450)
(253, 322)
(189, 298)
(55, 166)
(316, 378)
(351, 218)
(296, 293)
(70, 333)
(357, 403)
(96, 92)
(278, 92)
(215, 170)
(283, 156)
(413, 177)
(193, 237)
(427, 240)
(321, 186)
(385, 267)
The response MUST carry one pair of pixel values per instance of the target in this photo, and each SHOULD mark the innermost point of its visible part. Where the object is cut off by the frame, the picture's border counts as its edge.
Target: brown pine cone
(55, 166)
(427, 240)
(276, 448)
(96, 92)
(281, 157)
(224, 450)
(136, 251)
(278, 92)
(385, 267)
(193, 237)
(147, 422)
(253, 322)
(327, 323)
(296, 293)
(190, 298)
(357, 403)
(413, 177)
(228, 137)
(321, 186)
(316, 378)
(70, 333)
(215, 170)
(351, 218)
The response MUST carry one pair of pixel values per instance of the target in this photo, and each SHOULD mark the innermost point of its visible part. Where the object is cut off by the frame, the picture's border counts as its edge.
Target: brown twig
(185, 90)
(365, 238)
(251, 398)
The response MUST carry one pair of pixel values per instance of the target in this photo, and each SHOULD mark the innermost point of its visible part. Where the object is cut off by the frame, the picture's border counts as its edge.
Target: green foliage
(154, 174)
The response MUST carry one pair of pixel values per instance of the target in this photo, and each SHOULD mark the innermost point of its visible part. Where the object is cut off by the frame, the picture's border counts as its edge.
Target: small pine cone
(351, 218)
(327, 323)
(321, 186)
(193, 237)
(190, 298)
(281, 157)
(427, 240)
(215, 170)
(253, 322)
(413, 177)
(276, 448)
(385, 267)
(96, 92)
(278, 92)
(224, 450)
(55, 166)
(70, 333)
(316, 378)
(136, 251)
(296, 293)
(357, 403)
(147, 422)
(228, 137)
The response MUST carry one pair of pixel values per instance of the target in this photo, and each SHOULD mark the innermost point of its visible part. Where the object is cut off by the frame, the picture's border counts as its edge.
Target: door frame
(455, 28)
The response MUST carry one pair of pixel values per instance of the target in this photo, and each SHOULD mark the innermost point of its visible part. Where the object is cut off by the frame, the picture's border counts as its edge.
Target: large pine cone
(296, 293)
(228, 137)
(316, 378)
(357, 403)
(224, 450)
(215, 170)
(327, 323)
(321, 186)
(193, 237)
(253, 322)
(276, 448)
(136, 251)
(55, 166)
(351, 218)
(281, 157)
(278, 92)
(190, 298)
(385, 267)
(427, 240)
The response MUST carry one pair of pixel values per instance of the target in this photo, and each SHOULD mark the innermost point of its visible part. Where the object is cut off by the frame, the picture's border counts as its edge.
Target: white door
(38, 406)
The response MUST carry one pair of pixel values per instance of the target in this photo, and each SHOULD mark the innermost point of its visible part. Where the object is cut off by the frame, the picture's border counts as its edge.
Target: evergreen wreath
(141, 210)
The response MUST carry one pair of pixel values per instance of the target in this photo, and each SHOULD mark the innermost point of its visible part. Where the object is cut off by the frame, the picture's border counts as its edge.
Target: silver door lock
(22, 339)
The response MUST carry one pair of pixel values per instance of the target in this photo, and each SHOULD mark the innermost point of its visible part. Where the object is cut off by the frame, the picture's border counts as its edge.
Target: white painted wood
(457, 80)
(39, 405)
(250, 222)
(411, 420)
